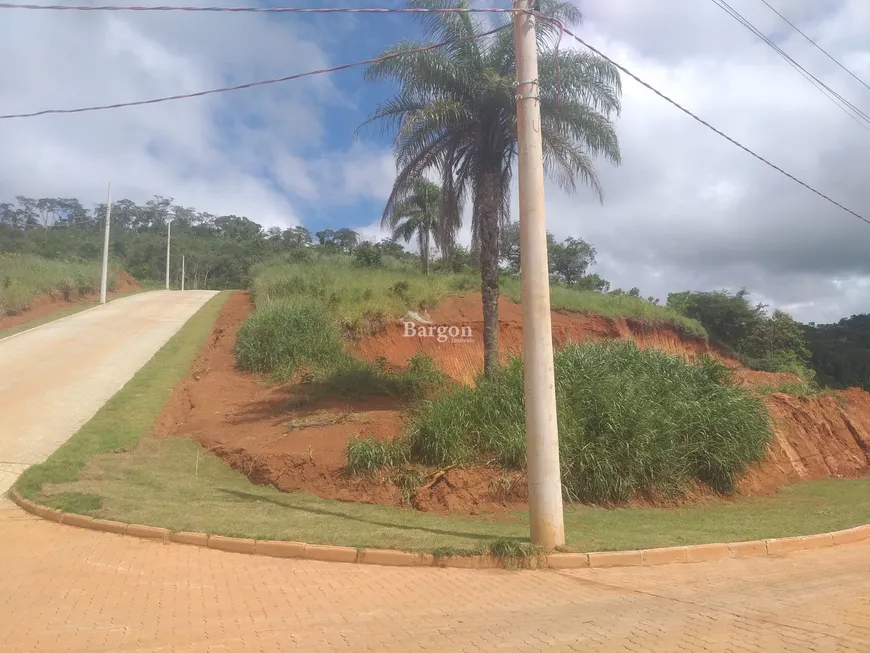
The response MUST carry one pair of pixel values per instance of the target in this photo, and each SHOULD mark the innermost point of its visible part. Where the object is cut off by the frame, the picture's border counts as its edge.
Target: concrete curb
(300, 550)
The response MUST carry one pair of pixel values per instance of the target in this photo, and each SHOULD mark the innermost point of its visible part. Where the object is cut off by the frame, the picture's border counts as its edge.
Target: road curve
(72, 590)
(55, 377)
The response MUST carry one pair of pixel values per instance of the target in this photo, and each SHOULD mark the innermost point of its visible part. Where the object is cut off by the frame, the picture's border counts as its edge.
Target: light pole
(182, 271)
(542, 436)
(104, 276)
(168, 236)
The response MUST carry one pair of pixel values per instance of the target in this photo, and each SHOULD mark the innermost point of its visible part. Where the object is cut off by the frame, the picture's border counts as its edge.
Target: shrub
(631, 422)
(367, 255)
(284, 335)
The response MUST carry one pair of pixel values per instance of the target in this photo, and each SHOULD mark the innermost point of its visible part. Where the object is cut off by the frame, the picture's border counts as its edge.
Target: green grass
(158, 483)
(24, 277)
(127, 416)
(109, 469)
(285, 334)
(365, 455)
(625, 306)
(631, 422)
(51, 317)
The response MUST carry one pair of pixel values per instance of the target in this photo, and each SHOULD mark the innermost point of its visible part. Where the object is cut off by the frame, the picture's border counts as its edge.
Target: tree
(346, 239)
(455, 113)
(728, 318)
(416, 215)
(570, 259)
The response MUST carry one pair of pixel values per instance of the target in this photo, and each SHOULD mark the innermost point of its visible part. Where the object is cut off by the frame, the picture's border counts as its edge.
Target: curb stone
(385, 557)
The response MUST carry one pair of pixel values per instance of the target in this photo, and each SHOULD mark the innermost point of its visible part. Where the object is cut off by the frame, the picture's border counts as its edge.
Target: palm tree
(416, 214)
(455, 112)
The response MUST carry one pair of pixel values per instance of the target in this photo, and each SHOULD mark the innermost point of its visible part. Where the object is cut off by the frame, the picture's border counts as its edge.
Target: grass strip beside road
(127, 416)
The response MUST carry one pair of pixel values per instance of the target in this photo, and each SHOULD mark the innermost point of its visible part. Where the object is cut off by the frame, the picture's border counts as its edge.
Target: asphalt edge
(300, 550)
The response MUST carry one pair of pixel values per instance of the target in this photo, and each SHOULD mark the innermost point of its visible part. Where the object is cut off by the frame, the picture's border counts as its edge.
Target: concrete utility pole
(104, 277)
(168, 236)
(542, 435)
(182, 271)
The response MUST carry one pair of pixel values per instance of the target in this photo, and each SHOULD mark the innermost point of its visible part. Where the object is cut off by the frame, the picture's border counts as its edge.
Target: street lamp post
(168, 236)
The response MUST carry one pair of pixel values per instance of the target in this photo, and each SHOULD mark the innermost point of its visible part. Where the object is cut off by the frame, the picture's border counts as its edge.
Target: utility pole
(168, 236)
(104, 277)
(542, 436)
(182, 271)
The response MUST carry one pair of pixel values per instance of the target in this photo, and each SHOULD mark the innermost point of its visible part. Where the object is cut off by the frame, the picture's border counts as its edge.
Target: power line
(712, 128)
(562, 28)
(849, 109)
(264, 82)
(819, 47)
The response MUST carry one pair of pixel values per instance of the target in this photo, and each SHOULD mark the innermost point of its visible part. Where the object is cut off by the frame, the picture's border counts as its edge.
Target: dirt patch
(277, 436)
(462, 357)
(55, 303)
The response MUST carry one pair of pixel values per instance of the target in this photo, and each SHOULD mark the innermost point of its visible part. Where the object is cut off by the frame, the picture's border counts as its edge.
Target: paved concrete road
(70, 590)
(55, 377)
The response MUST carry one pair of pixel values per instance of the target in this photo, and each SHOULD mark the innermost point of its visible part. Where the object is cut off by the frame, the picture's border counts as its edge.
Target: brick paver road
(69, 590)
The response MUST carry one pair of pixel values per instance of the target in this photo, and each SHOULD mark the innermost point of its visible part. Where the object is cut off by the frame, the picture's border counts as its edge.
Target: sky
(685, 210)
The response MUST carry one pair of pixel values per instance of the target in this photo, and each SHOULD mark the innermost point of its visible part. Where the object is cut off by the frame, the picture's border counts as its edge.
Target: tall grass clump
(365, 455)
(631, 422)
(286, 334)
(24, 277)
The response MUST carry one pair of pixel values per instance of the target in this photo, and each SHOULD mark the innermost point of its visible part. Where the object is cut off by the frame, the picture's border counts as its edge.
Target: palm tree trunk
(489, 227)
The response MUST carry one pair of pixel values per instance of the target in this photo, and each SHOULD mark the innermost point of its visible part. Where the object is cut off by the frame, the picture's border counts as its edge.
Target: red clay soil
(275, 436)
(463, 361)
(50, 304)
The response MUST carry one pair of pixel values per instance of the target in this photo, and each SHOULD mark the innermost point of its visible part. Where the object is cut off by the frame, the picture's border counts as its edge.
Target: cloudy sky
(685, 210)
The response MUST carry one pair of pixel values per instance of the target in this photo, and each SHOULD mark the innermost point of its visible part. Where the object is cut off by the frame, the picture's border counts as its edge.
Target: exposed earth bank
(273, 437)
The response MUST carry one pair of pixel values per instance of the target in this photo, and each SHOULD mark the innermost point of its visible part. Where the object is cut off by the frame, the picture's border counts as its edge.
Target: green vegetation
(772, 343)
(365, 455)
(613, 305)
(212, 498)
(284, 334)
(445, 99)
(23, 278)
(127, 416)
(631, 422)
(840, 352)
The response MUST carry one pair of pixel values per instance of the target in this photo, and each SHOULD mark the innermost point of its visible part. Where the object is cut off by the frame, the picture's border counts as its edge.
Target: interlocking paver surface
(68, 589)
(73, 590)
(54, 378)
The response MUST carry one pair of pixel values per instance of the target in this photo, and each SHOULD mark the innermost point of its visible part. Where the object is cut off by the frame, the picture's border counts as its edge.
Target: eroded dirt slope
(275, 436)
(464, 360)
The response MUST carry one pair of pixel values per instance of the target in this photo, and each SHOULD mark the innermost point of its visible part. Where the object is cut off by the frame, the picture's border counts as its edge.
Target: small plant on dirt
(366, 455)
(408, 480)
(357, 379)
(504, 486)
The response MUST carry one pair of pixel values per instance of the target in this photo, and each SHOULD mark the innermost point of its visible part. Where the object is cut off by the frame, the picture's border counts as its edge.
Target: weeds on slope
(625, 306)
(24, 277)
(631, 422)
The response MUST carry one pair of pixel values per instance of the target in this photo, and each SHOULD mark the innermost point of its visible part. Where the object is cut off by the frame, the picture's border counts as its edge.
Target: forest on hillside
(219, 251)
